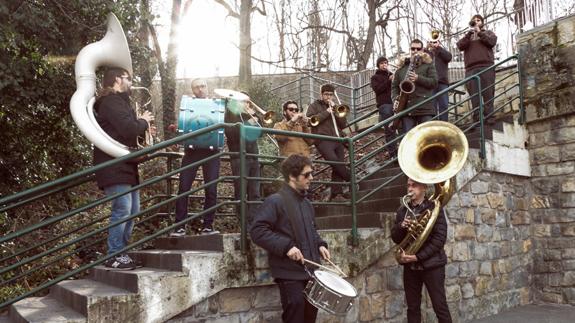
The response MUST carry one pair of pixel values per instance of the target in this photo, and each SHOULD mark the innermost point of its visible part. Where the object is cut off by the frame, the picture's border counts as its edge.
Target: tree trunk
(168, 74)
(245, 72)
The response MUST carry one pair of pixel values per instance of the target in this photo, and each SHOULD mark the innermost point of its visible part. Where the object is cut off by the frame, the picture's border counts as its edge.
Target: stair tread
(46, 309)
(92, 288)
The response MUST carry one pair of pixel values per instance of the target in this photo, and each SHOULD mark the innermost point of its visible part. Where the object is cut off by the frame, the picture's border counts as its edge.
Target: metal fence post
(242, 174)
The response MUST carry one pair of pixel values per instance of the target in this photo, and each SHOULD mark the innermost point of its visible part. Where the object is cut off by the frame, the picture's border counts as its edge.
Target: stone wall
(490, 255)
(548, 61)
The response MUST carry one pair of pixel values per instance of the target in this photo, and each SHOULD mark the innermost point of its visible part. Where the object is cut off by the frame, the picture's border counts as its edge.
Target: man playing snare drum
(210, 170)
(284, 226)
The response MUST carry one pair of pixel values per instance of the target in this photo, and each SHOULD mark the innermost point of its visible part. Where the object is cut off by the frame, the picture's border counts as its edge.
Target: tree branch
(231, 11)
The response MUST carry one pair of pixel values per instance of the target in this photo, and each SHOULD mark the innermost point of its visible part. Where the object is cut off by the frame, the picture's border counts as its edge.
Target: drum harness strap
(291, 213)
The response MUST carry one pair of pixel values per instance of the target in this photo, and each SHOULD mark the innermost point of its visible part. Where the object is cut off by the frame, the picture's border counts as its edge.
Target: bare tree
(245, 47)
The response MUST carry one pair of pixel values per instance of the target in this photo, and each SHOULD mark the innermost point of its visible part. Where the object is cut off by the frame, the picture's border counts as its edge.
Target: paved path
(547, 313)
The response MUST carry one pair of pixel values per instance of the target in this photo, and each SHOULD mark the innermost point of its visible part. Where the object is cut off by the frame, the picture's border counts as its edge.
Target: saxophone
(406, 87)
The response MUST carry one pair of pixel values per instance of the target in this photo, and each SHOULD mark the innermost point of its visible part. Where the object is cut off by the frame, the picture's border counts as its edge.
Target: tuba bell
(112, 50)
(431, 153)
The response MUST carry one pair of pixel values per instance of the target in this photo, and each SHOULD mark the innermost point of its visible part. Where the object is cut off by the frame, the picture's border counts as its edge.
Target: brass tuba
(112, 50)
(431, 153)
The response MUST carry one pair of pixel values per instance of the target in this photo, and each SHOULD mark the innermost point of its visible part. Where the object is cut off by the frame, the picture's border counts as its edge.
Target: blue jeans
(211, 172)
(123, 206)
(441, 102)
(385, 112)
(334, 151)
(410, 122)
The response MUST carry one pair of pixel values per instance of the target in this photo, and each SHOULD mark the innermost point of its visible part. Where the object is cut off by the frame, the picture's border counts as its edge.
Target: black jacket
(442, 57)
(431, 254)
(424, 86)
(272, 230)
(117, 118)
(478, 49)
(381, 85)
(325, 127)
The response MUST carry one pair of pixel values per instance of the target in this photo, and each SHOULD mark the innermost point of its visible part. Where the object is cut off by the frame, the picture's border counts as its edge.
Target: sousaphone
(112, 51)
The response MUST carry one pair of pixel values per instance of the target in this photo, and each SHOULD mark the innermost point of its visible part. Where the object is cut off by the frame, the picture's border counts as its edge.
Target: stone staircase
(181, 272)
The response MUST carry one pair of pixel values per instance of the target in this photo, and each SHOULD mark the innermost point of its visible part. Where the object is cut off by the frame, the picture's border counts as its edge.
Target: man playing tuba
(427, 266)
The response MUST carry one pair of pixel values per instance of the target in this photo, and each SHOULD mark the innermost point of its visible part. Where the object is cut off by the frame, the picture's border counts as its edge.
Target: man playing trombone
(293, 120)
(329, 123)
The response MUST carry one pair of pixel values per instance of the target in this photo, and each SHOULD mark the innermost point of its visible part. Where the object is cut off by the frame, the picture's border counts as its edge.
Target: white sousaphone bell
(112, 50)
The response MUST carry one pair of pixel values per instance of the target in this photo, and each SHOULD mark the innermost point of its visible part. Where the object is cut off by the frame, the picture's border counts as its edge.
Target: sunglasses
(307, 174)
(292, 109)
(416, 48)
(129, 78)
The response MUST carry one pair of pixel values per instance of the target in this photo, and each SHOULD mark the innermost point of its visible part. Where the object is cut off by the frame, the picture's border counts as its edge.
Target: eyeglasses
(292, 109)
(307, 174)
(129, 78)
(416, 48)
(433, 42)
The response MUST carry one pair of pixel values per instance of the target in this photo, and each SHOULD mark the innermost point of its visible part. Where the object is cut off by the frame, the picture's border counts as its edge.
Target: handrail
(157, 201)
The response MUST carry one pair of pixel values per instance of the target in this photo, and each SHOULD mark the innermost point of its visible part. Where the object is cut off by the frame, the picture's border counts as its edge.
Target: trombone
(340, 111)
(267, 116)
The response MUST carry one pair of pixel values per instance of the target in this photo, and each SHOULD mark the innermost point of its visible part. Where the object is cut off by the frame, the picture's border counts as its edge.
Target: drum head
(231, 94)
(335, 283)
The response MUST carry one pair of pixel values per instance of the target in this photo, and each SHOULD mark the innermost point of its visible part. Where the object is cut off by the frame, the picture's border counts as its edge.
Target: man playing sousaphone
(285, 227)
(427, 266)
(117, 118)
(330, 124)
(296, 121)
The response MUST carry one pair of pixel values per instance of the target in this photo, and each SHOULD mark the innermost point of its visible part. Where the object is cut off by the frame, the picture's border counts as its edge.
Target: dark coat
(441, 58)
(431, 254)
(478, 52)
(325, 127)
(424, 85)
(381, 85)
(272, 230)
(117, 118)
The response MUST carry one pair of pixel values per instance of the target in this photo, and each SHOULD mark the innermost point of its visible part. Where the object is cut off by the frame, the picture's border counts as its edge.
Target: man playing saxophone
(427, 266)
(418, 74)
(293, 120)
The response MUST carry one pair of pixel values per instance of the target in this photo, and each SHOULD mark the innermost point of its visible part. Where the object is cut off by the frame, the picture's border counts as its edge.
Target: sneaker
(178, 233)
(208, 231)
(121, 262)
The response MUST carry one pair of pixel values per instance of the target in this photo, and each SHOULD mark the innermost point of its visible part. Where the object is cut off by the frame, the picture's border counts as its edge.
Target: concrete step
(97, 301)
(213, 242)
(365, 220)
(43, 309)
(372, 183)
(386, 192)
(129, 279)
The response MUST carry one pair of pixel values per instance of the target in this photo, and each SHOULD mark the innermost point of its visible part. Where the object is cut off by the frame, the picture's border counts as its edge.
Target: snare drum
(196, 114)
(330, 292)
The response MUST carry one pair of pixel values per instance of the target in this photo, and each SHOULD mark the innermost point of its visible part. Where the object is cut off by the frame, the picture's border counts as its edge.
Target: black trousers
(434, 280)
(296, 309)
(487, 91)
(334, 151)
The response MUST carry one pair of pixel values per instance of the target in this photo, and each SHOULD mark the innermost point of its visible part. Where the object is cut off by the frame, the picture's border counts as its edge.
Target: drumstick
(321, 266)
(336, 267)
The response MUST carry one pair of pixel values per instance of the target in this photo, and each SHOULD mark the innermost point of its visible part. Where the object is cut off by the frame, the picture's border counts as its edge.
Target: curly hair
(293, 165)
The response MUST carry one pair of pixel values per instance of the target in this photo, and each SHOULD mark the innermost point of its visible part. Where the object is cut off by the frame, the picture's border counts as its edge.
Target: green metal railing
(17, 265)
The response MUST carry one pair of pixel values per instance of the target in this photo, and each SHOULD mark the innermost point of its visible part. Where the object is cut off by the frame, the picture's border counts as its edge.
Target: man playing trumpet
(293, 120)
(323, 110)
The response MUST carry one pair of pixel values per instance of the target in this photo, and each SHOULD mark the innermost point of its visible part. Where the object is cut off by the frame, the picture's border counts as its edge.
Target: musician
(248, 117)
(118, 119)
(293, 120)
(284, 226)
(324, 110)
(381, 85)
(477, 46)
(441, 58)
(427, 266)
(210, 171)
(424, 78)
